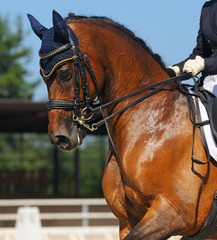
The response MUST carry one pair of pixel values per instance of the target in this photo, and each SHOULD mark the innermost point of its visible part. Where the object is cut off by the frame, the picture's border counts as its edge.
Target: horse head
(116, 58)
(67, 73)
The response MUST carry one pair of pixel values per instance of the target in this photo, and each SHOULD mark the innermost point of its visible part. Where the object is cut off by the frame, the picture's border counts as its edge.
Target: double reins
(82, 120)
(155, 88)
(82, 63)
(81, 66)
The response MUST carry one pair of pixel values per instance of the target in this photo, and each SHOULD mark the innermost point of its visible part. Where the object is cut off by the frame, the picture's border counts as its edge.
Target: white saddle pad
(208, 132)
(210, 84)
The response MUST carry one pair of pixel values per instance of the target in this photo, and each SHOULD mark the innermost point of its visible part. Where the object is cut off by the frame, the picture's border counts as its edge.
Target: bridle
(81, 64)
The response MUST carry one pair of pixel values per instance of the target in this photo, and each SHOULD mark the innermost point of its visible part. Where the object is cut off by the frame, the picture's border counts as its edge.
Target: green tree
(26, 160)
(14, 56)
(13, 59)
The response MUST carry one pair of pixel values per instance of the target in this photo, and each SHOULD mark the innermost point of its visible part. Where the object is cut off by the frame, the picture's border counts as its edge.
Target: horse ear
(63, 29)
(36, 26)
(60, 26)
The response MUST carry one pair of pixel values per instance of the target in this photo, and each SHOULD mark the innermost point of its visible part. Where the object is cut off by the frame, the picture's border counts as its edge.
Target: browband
(55, 52)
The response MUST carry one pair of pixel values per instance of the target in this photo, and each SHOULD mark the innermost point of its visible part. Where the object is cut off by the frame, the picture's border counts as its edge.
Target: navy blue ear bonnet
(57, 42)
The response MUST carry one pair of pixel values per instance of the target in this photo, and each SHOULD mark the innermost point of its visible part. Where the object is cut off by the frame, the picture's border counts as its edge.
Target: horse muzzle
(68, 141)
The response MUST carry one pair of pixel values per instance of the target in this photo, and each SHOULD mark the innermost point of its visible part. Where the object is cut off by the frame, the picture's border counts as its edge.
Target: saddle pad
(208, 132)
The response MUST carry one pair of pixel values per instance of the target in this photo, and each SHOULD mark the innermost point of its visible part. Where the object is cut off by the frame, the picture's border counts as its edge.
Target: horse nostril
(61, 140)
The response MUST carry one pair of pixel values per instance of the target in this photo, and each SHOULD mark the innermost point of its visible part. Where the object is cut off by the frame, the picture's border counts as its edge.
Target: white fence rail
(82, 213)
(85, 215)
(84, 232)
(53, 202)
(63, 216)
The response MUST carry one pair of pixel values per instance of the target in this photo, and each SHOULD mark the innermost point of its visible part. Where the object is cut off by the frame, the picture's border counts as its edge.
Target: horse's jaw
(67, 141)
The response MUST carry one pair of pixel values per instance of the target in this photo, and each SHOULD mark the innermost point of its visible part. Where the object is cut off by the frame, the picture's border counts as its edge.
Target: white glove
(194, 66)
(176, 69)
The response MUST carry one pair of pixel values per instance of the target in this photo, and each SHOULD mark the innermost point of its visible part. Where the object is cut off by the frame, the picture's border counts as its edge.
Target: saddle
(197, 96)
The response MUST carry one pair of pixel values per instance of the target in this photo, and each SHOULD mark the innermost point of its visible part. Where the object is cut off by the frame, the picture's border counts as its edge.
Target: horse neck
(129, 66)
(121, 64)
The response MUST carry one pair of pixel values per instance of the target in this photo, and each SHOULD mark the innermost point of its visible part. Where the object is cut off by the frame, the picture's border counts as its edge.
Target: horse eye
(64, 74)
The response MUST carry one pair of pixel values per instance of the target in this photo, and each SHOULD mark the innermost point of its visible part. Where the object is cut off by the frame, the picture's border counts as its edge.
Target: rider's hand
(173, 71)
(194, 66)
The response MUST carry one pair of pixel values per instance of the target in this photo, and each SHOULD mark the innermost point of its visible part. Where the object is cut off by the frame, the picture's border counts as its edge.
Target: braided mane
(72, 17)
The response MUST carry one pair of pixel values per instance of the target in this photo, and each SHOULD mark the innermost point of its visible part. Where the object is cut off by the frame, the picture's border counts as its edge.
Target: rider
(204, 56)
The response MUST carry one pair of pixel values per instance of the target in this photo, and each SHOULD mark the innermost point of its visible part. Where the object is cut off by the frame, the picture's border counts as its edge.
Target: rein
(82, 63)
(156, 88)
(70, 105)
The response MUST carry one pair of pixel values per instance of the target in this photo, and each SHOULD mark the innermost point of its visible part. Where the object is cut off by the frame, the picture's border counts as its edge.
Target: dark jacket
(207, 39)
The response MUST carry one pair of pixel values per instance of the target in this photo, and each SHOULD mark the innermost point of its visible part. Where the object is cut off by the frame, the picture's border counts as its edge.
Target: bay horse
(149, 180)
